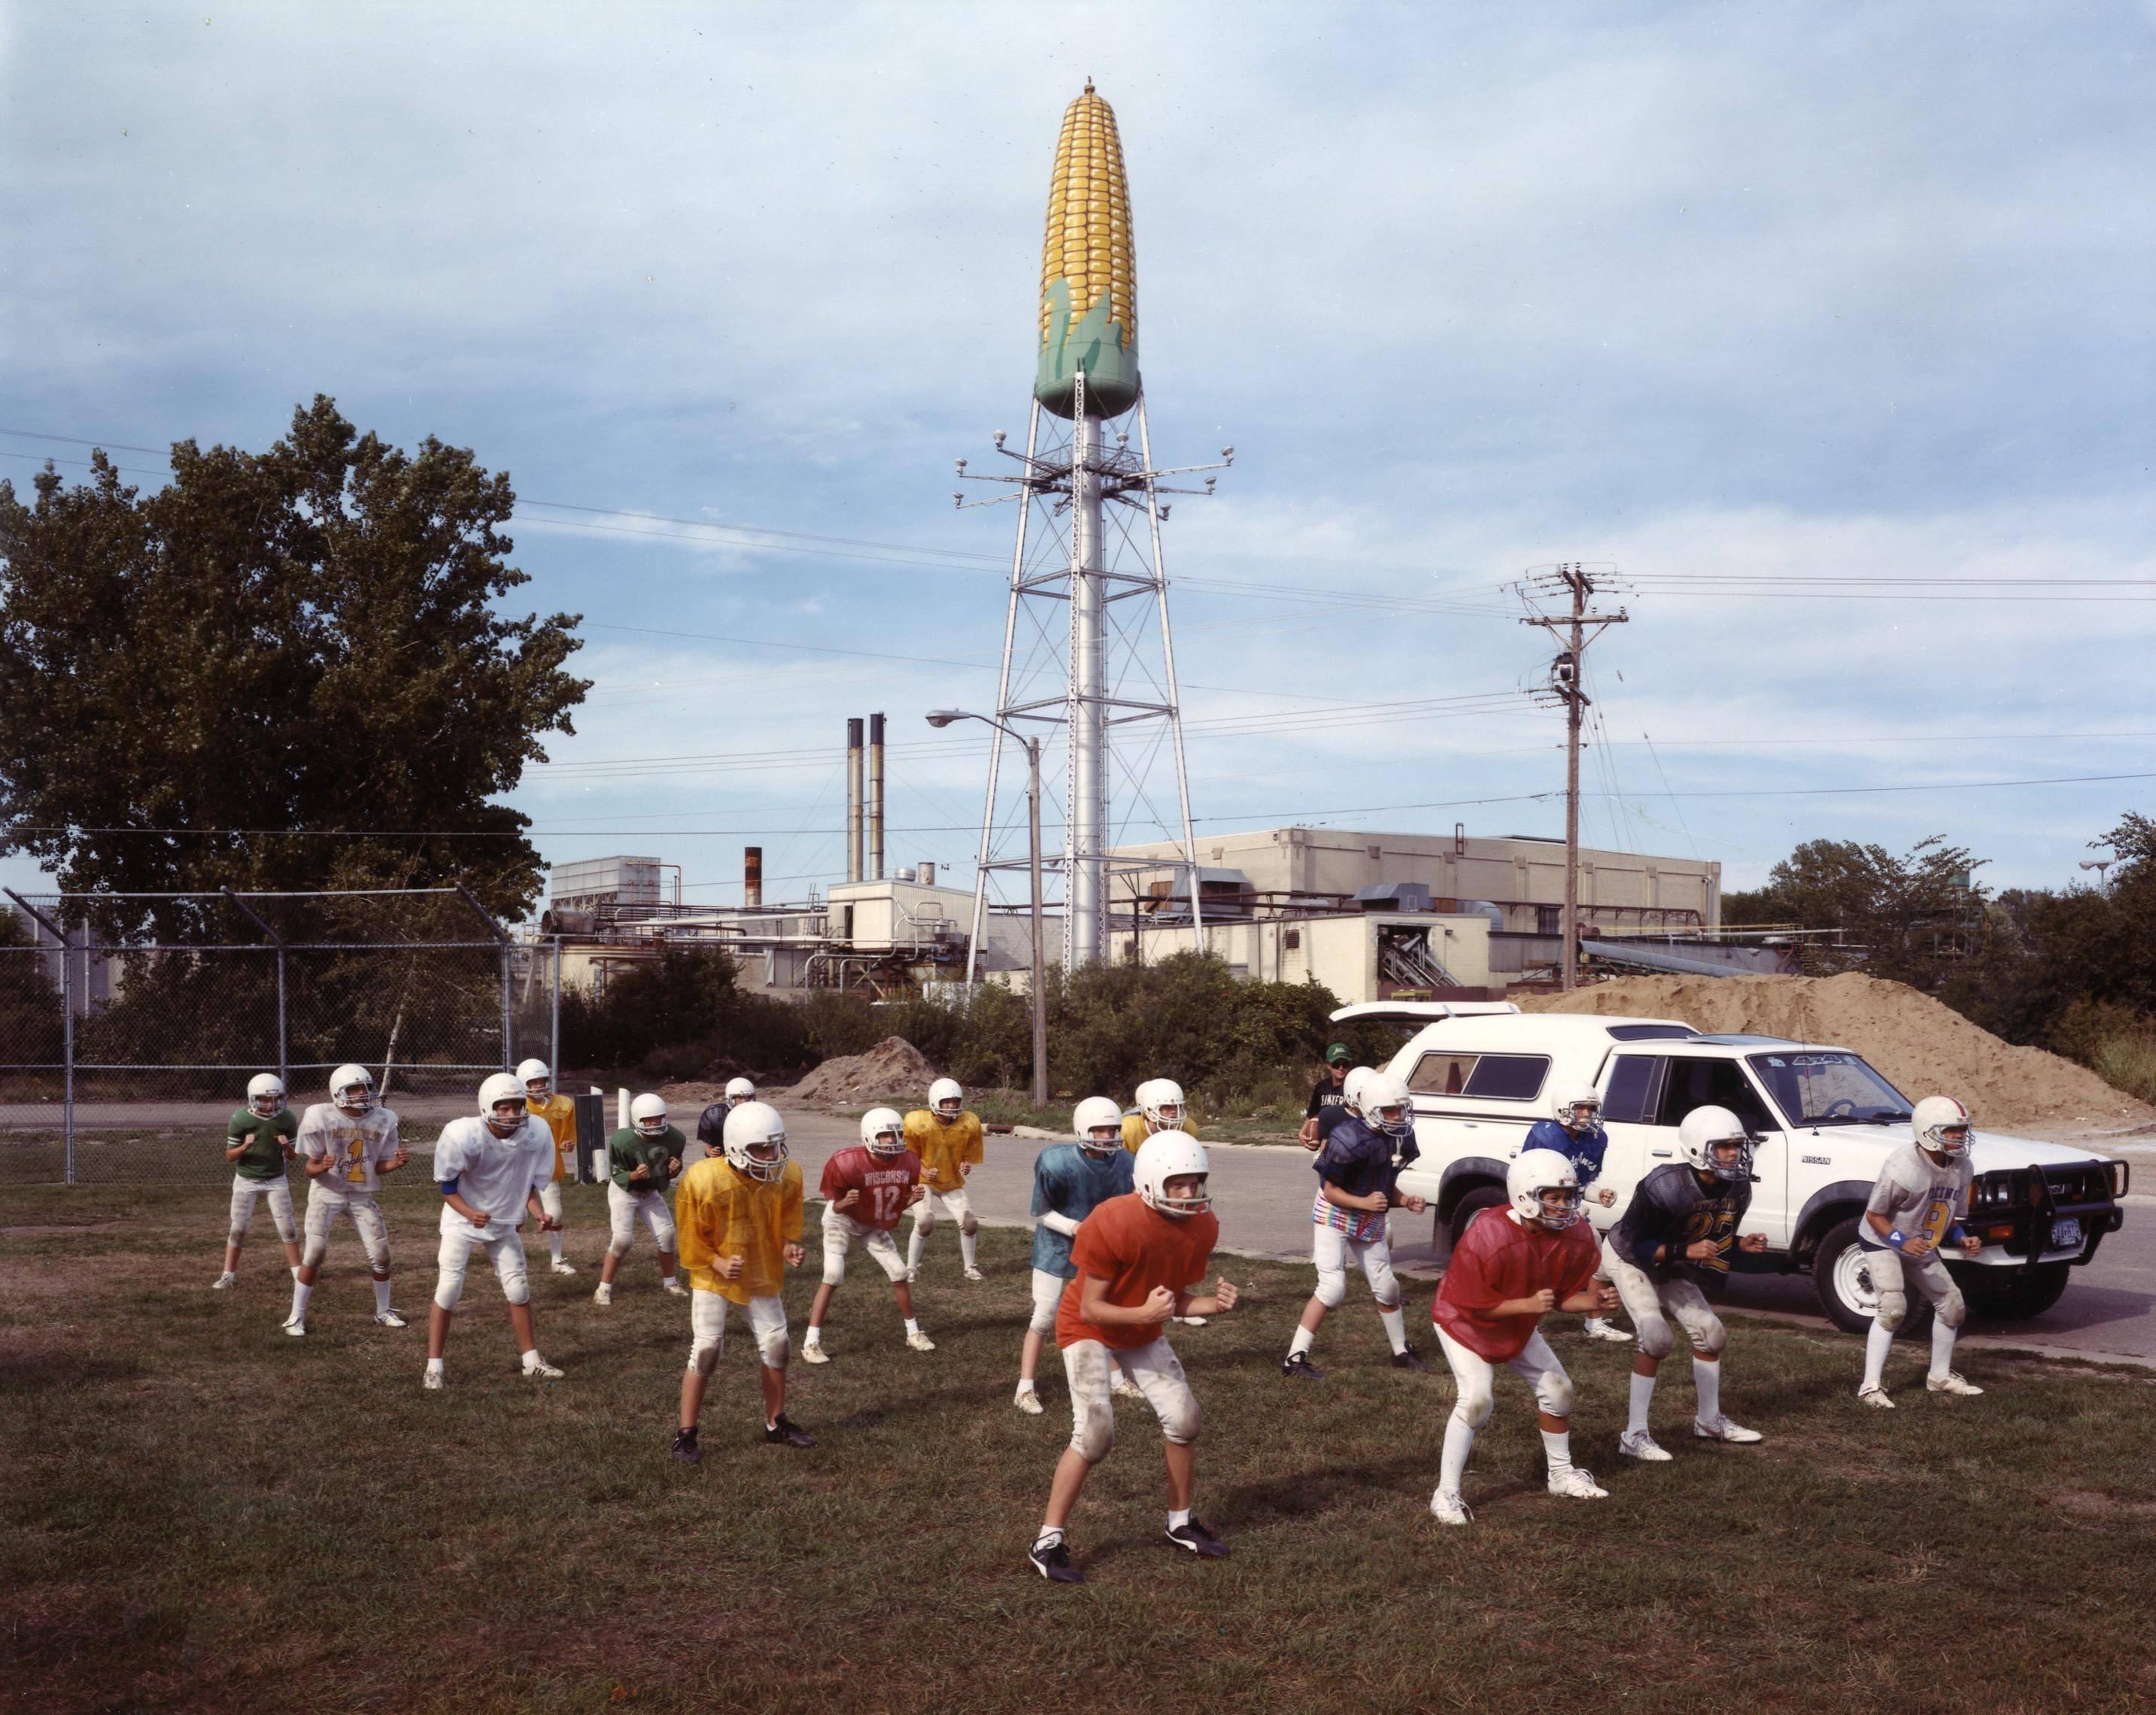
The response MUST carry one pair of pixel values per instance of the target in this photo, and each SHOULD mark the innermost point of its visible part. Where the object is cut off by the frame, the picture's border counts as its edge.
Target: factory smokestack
(752, 877)
(854, 800)
(876, 797)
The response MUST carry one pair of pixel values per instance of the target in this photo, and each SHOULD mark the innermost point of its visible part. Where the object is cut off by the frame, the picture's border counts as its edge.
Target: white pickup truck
(1482, 1073)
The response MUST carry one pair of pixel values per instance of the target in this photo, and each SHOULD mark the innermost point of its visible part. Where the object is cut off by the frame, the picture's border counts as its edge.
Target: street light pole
(944, 717)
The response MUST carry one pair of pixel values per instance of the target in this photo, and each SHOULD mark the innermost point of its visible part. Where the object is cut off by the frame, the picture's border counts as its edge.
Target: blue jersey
(1583, 1149)
(1330, 1119)
(1068, 1181)
(1359, 1158)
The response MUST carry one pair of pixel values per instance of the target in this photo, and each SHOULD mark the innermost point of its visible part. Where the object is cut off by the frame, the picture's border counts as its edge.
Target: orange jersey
(718, 1213)
(1134, 1248)
(945, 1151)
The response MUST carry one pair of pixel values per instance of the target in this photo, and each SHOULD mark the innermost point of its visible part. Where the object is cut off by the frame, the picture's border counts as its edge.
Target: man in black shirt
(1332, 1091)
(1674, 1237)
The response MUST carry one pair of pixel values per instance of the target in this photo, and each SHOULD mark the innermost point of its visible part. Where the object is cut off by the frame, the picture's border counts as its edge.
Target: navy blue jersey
(1330, 1119)
(1672, 1208)
(1359, 1158)
(1067, 1180)
(1583, 1149)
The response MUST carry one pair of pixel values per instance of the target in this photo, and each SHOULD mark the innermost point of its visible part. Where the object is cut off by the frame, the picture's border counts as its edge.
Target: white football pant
(504, 1249)
(1159, 1373)
(623, 1207)
(839, 1233)
(1650, 1304)
(933, 1203)
(246, 1192)
(1475, 1377)
(366, 1217)
(1047, 1296)
(1332, 1250)
(707, 1329)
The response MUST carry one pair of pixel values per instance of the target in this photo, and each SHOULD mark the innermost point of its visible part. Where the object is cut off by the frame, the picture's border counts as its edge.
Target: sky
(1826, 331)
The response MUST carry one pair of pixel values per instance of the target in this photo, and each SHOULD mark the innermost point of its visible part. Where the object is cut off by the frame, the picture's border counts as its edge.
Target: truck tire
(1844, 1287)
(1472, 1204)
(2009, 1294)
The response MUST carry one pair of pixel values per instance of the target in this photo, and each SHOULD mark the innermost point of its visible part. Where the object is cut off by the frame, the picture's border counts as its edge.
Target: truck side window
(1710, 1083)
(1509, 1077)
(1632, 1089)
(1441, 1074)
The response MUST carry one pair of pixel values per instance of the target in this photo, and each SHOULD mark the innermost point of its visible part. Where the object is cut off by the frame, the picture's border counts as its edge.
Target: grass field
(200, 1513)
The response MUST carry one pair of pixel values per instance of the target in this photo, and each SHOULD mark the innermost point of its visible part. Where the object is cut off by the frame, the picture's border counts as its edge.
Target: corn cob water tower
(1088, 655)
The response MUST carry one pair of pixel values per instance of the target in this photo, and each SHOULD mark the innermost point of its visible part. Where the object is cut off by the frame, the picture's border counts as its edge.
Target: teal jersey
(263, 1159)
(626, 1150)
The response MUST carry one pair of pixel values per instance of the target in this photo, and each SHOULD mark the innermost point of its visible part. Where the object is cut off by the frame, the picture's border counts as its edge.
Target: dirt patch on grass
(2090, 1504)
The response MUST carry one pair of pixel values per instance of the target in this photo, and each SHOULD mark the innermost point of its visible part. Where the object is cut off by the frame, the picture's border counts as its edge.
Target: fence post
(67, 1027)
(508, 979)
(283, 1070)
(554, 1026)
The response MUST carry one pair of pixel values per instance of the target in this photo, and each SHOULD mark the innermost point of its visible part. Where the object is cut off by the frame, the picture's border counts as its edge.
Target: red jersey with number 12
(882, 1180)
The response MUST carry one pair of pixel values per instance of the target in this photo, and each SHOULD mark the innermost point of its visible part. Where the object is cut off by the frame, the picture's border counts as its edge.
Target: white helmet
(1098, 1113)
(738, 1090)
(501, 1087)
(1705, 1127)
(647, 1114)
(884, 1132)
(1577, 1095)
(945, 1093)
(1382, 1090)
(1171, 1155)
(749, 1127)
(265, 1095)
(1160, 1100)
(352, 1088)
(1350, 1088)
(1941, 1124)
(537, 1071)
(1535, 1171)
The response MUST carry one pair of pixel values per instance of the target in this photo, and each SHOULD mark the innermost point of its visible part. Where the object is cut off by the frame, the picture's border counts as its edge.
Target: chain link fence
(122, 1054)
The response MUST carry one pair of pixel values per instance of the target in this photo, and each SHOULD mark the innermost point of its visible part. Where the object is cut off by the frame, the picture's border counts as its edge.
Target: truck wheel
(1842, 1278)
(2009, 1294)
(1472, 1204)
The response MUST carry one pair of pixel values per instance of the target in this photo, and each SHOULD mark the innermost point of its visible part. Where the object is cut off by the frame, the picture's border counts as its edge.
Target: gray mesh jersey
(1918, 1196)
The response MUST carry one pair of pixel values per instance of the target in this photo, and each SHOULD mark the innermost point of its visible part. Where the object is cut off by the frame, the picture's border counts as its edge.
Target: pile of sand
(893, 1071)
(1925, 1048)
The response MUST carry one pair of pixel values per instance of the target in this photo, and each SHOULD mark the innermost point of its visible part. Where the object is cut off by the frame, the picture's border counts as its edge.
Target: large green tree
(282, 670)
(1914, 915)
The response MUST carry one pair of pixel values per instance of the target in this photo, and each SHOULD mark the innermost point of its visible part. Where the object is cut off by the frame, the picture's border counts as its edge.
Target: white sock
(666, 1283)
(1643, 1396)
(531, 1358)
(913, 1248)
(554, 1244)
(1303, 1341)
(815, 1336)
(296, 1269)
(1594, 1323)
(969, 1245)
(1706, 1377)
(1025, 1384)
(1942, 1345)
(1396, 1327)
(381, 1297)
(1876, 1344)
(433, 1366)
(1459, 1442)
(1050, 1535)
(300, 1293)
(1177, 1520)
(1556, 1447)
(912, 1327)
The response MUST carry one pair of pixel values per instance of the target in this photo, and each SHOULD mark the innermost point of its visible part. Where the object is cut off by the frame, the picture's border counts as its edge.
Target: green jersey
(263, 1159)
(626, 1150)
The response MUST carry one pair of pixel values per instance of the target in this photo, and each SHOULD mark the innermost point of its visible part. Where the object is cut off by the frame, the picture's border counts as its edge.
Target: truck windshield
(1828, 1089)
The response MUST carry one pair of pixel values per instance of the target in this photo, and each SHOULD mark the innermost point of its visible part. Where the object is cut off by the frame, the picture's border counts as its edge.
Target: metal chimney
(876, 797)
(854, 800)
(752, 877)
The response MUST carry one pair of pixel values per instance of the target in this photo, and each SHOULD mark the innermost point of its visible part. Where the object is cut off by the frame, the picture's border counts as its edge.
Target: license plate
(2067, 1234)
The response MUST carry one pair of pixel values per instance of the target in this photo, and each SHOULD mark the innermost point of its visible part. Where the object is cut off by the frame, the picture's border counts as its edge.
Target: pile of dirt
(893, 1070)
(1924, 1047)
(694, 1097)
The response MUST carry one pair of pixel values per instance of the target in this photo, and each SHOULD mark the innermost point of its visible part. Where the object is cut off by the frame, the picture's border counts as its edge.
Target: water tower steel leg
(1174, 695)
(1003, 700)
(1084, 841)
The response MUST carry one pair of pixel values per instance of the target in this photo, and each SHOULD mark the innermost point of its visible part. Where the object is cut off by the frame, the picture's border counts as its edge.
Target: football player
(947, 1140)
(1135, 1258)
(1358, 1169)
(643, 1159)
(1674, 1236)
(865, 1188)
(739, 1213)
(1576, 1134)
(559, 1116)
(1160, 1108)
(1069, 1182)
(492, 1167)
(347, 1144)
(1918, 1205)
(1508, 1272)
(258, 1142)
(711, 1122)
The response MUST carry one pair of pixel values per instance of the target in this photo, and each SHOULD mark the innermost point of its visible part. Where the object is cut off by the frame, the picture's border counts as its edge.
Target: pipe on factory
(752, 877)
(876, 797)
(854, 800)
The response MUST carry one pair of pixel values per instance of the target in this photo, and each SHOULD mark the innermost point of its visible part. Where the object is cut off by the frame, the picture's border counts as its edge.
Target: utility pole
(1574, 630)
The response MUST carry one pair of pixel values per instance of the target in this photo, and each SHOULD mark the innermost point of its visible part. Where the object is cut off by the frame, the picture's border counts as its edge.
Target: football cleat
(603, 1293)
(1721, 1429)
(539, 1368)
(1051, 1560)
(1596, 1330)
(1297, 1364)
(1577, 1485)
(225, 1281)
(918, 1342)
(388, 1319)
(686, 1448)
(1875, 1395)
(1192, 1322)
(673, 1288)
(974, 1274)
(785, 1433)
(564, 1268)
(912, 1273)
(434, 1381)
(1409, 1358)
(1638, 1444)
(1028, 1402)
(295, 1327)
(1200, 1541)
(1123, 1388)
(1953, 1382)
(1449, 1509)
(813, 1352)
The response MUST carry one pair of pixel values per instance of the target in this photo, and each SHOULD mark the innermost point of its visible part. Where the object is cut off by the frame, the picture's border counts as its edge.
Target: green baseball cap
(1337, 1055)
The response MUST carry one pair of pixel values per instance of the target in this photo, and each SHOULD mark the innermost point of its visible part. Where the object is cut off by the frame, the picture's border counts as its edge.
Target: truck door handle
(1661, 1152)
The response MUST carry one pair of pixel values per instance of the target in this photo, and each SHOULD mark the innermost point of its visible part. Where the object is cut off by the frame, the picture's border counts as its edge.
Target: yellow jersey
(944, 1150)
(1135, 1131)
(560, 1113)
(718, 1213)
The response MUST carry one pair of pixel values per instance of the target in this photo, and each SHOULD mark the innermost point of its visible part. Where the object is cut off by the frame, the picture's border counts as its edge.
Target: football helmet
(265, 1095)
(1092, 1117)
(352, 1088)
(647, 1115)
(1351, 1088)
(535, 1071)
(756, 1125)
(1940, 1123)
(947, 1101)
(497, 1091)
(1171, 1155)
(1533, 1171)
(1384, 1094)
(1572, 1097)
(1160, 1100)
(884, 1132)
(738, 1090)
(1704, 1130)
